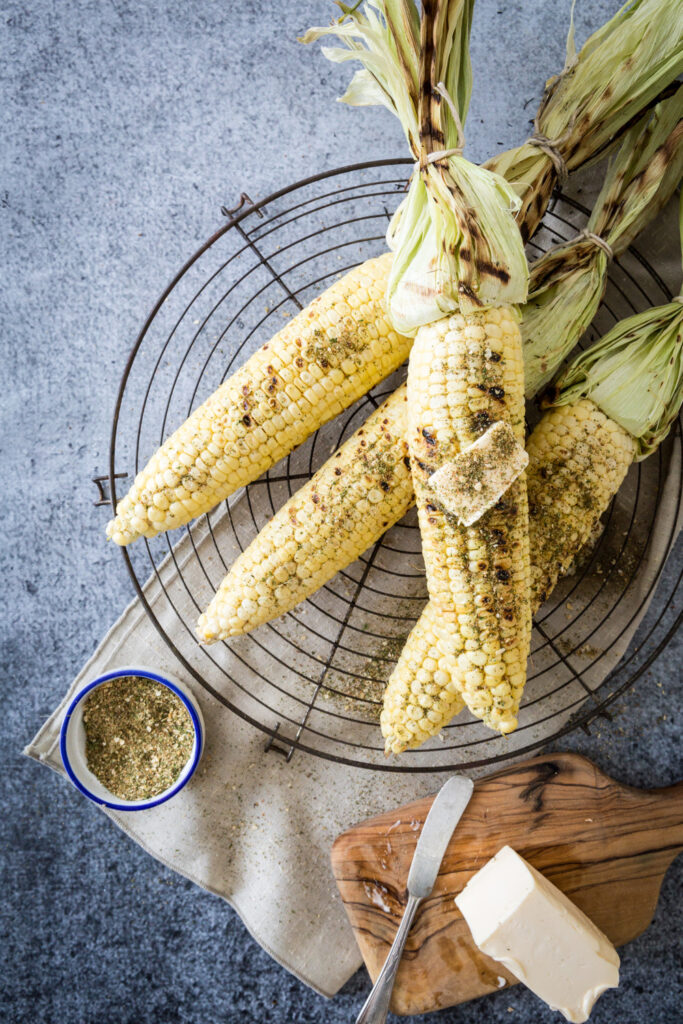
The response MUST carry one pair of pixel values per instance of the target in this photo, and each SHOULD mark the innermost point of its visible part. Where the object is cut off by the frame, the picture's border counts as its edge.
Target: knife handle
(376, 1006)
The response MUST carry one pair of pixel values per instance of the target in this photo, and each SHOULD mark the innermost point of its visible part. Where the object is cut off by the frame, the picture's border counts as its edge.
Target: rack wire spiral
(312, 680)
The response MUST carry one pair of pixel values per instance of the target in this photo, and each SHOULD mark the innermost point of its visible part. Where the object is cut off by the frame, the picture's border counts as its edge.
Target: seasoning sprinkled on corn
(319, 530)
(321, 362)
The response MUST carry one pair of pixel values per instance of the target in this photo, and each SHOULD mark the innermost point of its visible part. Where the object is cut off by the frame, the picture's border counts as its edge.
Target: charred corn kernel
(265, 409)
(567, 494)
(463, 378)
(325, 522)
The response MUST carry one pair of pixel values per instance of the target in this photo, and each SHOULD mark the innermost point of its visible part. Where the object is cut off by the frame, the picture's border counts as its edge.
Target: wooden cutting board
(607, 846)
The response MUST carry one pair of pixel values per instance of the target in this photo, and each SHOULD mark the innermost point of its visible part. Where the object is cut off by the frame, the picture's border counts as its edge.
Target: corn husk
(455, 238)
(385, 38)
(635, 373)
(581, 111)
(618, 72)
(472, 254)
(568, 283)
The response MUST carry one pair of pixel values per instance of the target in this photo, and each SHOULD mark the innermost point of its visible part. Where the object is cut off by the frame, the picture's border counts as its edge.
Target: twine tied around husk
(597, 240)
(551, 150)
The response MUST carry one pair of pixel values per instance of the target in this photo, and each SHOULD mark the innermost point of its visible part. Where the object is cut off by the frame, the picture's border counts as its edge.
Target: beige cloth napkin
(257, 830)
(249, 826)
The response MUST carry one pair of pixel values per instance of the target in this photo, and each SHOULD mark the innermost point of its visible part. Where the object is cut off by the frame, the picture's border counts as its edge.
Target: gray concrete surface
(126, 126)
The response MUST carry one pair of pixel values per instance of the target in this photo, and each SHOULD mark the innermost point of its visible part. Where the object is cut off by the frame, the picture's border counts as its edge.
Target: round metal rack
(312, 680)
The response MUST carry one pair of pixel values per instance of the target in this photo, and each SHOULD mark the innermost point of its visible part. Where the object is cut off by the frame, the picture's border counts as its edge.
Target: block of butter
(521, 919)
(480, 475)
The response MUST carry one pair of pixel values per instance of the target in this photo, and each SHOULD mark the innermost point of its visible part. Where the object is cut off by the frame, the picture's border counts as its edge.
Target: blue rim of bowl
(167, 793)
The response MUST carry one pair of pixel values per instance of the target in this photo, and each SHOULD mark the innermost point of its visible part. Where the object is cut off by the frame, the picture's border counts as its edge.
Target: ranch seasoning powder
(138, 736)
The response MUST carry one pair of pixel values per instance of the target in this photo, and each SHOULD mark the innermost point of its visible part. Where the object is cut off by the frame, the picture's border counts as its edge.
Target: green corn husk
(579, 105)
(455, 238)
(635, 373)
(469, 252)
(619, 70)
(568, 283)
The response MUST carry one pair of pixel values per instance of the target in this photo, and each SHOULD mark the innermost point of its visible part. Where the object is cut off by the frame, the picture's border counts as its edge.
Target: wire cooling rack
(312, 680)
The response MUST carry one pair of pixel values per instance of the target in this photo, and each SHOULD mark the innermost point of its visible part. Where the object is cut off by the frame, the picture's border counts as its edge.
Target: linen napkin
(250, 827)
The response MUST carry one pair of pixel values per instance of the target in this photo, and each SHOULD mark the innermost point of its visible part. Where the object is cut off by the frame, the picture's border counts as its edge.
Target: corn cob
(466, 373)
(357, 494)
(320, 529)
(323, 360)
(578, 458)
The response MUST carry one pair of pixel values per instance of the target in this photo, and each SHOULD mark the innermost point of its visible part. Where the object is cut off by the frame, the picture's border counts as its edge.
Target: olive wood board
(606, 845)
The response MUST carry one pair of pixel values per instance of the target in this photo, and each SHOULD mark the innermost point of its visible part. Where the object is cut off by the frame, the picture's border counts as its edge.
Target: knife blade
(439, 825)
(444, 814)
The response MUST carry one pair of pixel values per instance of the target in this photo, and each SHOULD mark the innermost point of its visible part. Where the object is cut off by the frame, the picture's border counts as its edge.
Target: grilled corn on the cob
(323, 360)
(578, 458)
(466, 373)
(320, 529)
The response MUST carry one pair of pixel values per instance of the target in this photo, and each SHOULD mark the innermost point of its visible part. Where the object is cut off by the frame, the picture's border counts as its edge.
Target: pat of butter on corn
(522, 920)
(480, 475)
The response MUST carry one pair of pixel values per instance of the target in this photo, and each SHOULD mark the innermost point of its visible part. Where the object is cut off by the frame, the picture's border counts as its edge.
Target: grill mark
(486, 268)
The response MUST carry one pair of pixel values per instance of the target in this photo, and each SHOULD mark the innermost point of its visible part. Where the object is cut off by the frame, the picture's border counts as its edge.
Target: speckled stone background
(126, 126)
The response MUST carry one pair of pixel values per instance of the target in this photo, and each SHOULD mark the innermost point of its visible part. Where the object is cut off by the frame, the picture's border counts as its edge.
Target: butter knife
(444, 814)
